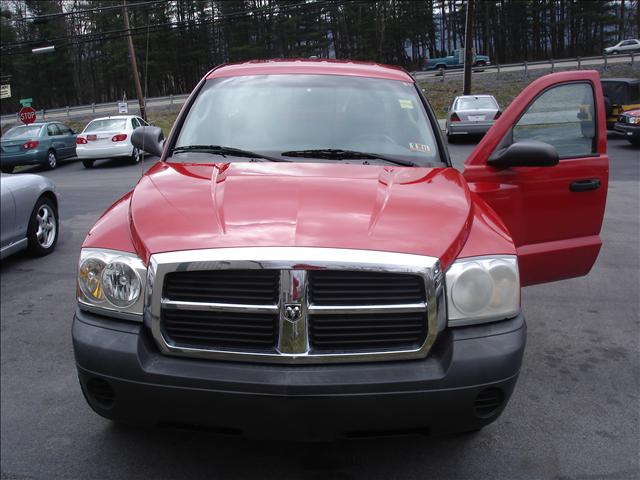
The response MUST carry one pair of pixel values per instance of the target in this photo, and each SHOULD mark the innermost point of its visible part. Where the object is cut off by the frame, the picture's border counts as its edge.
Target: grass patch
(504, 87)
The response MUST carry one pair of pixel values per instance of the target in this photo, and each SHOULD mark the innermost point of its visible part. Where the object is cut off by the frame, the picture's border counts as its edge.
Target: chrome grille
(294, 305)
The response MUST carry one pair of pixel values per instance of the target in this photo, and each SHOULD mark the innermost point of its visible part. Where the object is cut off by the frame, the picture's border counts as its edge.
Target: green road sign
(26, 102)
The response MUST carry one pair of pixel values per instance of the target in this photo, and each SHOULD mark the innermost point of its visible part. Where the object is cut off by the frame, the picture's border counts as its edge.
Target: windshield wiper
(339, 154)
(224, 151)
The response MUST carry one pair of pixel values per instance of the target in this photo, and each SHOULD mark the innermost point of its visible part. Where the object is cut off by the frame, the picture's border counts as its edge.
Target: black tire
(135, 156)
(6, 169)
(41, 238)
(52, 160)
(87, 163)
(441, 68)
(634, 141)
(451, 138)
(615, 52)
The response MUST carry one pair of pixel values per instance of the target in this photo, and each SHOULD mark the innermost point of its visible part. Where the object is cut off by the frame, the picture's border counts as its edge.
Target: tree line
(177, 41)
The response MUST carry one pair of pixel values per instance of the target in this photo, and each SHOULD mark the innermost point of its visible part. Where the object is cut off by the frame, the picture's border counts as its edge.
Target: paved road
(574, 413)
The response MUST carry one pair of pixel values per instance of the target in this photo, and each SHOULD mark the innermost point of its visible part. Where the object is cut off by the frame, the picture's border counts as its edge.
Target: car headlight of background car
(111, 283)
(482, 289)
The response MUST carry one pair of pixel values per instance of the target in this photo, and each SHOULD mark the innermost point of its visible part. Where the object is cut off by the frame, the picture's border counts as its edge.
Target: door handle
(585, 185)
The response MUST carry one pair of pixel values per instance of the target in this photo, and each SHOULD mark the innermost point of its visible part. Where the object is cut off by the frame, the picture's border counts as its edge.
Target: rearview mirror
(527, 153)
(148, 139)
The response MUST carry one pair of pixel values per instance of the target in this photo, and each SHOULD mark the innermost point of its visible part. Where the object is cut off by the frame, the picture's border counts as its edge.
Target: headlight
(482, 289)
(634, 120)
(111, 283)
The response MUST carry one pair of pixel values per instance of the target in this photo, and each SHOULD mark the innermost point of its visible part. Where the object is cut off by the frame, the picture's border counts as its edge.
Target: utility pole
(134, 63)
(468, 48)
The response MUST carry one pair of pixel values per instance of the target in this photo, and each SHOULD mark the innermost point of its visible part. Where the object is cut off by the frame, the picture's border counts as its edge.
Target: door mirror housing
(527, 153)
(148, 139)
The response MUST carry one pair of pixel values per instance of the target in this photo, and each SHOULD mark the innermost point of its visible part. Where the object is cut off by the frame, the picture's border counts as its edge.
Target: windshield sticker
(405, 103)
(419, 147)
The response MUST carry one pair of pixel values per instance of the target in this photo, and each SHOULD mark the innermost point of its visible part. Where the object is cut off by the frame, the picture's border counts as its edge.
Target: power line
(78, 12)
(121, 33)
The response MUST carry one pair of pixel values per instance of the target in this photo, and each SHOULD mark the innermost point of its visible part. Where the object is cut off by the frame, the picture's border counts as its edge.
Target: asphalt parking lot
(574, 413)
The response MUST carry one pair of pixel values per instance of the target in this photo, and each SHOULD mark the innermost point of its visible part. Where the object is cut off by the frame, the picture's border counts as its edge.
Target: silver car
(631, 45)
(28, 215)
(471, 115)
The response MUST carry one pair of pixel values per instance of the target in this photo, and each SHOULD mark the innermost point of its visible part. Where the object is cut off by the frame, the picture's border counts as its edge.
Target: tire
(135, 156)
(6, 169)
(42, 233)
(441, 69)
(634, 141)
(87, 163)
(451, 139)
(52, 160)
(481, 64)
(615, 52)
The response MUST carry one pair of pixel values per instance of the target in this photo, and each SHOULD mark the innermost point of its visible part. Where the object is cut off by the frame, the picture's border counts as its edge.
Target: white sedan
(108, 137)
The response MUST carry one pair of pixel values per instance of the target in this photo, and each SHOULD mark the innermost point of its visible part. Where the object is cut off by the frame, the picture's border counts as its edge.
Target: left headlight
(111, 283)
(482, 289)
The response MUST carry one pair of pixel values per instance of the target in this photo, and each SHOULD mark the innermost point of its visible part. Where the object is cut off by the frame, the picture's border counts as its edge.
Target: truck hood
(424, 211)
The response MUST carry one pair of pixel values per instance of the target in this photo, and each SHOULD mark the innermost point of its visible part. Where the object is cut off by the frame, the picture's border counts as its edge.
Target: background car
(471, 115)
(620, 95)
(29, 215)
(108, 137)
(628, 124)
(625, 46)
(453, 61)
(41, 143)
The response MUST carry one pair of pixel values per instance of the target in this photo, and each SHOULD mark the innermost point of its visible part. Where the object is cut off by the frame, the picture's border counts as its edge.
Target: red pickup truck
(304, 262)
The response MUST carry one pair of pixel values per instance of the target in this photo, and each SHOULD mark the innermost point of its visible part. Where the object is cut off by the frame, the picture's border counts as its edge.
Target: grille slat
(367, 331)
(210, 329)
(327, 287)
(252, 287)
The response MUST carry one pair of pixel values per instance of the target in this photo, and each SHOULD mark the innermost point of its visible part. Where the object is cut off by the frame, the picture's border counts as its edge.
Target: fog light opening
(101, 392)
(489, 401)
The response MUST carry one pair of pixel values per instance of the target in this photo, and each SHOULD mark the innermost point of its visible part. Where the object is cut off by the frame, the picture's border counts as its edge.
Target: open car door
(543, 168)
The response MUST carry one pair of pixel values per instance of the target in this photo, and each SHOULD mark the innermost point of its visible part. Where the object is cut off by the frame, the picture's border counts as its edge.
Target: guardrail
(112, 107)
(525, 66)
(98, 108)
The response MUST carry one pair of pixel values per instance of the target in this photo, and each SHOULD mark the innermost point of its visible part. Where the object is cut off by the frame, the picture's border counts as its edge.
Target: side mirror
(148, 139)
(527, 153)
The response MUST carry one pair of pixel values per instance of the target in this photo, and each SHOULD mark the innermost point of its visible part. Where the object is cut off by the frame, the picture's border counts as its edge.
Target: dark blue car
(42, 143)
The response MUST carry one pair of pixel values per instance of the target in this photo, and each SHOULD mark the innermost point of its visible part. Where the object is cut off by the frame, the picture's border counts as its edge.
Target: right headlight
(111, 283)
(482, 289)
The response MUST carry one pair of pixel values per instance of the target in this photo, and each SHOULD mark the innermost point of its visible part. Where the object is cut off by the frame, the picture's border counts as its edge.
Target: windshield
(621, 93)
(276, 114)
(481, 103)
(17, 133)
(106, 125)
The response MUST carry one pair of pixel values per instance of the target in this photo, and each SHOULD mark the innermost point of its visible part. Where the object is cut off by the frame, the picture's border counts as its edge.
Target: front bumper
(469, 128)
(628, 130)
(438, 394)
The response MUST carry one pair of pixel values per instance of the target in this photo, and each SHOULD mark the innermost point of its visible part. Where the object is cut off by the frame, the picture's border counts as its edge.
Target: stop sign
(27, 115)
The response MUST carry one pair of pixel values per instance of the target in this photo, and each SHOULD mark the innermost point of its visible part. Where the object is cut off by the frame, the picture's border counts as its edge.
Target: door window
(64, 130)
(52, 130)
(134, 123)
(562, 116)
